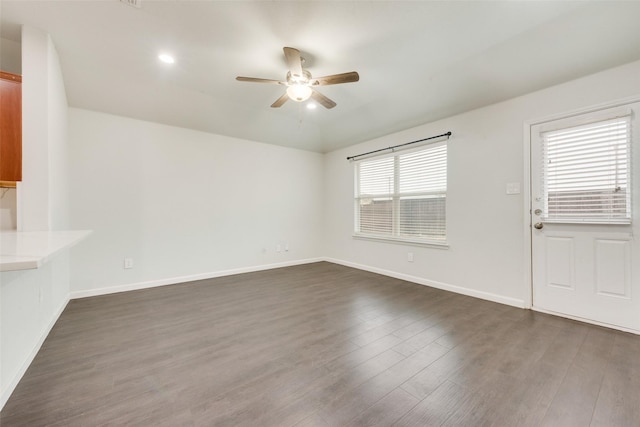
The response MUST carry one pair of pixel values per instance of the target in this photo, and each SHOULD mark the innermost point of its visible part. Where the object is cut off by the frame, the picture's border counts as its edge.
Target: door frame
(528, 252)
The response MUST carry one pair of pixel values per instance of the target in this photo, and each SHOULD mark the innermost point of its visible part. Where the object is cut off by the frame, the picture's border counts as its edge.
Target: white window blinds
(586, 173)
(403, 196)
(376, 189)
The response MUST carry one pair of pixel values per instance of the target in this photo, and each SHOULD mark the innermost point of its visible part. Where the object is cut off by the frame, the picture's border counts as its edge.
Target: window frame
(396, 196)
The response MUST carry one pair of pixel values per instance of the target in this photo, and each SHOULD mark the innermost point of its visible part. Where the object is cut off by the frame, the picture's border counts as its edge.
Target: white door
(585, 216)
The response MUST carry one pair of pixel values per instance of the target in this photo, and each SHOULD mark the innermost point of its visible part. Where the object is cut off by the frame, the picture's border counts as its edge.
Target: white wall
(184, 204)
(8, 209)
(58, 146)
(33, 195)
(10, 56)
(32, 300)
(42, 195)
(485, 226)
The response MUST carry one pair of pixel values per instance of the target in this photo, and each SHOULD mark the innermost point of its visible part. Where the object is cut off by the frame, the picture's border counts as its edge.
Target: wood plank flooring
(322, 345)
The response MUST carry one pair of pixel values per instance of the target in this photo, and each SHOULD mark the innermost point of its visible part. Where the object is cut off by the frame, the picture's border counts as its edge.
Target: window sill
(403, 241)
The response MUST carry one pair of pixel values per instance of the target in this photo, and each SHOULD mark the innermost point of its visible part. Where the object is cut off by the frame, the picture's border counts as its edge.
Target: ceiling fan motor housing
(294, 79)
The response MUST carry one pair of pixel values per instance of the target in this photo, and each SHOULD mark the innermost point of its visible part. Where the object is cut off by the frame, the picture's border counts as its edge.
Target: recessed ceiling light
(311, 106)
(167, 59)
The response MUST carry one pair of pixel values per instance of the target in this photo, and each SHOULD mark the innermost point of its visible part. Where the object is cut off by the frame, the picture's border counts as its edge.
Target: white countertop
(25, 250)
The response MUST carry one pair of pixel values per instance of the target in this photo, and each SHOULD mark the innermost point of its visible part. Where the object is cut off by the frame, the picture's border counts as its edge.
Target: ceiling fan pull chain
(299, 116)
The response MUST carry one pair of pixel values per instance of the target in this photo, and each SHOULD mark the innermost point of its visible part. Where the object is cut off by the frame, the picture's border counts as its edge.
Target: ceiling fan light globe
(299, 93)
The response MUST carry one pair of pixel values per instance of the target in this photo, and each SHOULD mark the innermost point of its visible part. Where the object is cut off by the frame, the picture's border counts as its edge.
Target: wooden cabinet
(10, 128)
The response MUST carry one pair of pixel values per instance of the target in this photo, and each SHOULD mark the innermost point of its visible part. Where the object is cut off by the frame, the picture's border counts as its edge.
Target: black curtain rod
(448, 134)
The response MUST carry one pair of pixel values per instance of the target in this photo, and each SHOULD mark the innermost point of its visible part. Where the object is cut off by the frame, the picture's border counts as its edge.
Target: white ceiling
(418, 61)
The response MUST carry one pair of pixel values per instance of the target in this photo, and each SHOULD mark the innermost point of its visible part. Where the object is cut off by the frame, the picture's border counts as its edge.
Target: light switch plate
(513, 188)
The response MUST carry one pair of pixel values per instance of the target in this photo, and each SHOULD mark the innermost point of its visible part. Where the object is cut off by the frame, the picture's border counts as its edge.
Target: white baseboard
(203, 276)
(439, 285)
(11, 386)
(188, 278)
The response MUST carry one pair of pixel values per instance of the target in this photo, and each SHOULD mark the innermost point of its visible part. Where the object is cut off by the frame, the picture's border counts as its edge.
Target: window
(586, 173)
(403, 196)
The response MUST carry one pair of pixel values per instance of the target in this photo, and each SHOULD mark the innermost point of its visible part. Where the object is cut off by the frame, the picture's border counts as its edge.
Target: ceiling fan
(300, 84)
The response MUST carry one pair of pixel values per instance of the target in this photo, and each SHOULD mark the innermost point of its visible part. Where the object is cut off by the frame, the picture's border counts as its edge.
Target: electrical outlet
(128, 263)
(410, 256)
(286, 247)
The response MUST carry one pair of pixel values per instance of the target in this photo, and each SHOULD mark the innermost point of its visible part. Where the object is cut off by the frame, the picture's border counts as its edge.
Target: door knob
(538, 225)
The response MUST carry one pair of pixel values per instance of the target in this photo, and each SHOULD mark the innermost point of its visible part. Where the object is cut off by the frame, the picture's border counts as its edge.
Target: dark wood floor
(323, 345)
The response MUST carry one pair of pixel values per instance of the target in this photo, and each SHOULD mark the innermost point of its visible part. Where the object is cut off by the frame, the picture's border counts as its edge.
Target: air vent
(134, 3)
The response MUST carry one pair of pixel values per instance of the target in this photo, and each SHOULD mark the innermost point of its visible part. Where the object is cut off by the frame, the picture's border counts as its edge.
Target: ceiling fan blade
(293, 60)
(323, 100)
(257, 80)
(336, 79)
(280, 101)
